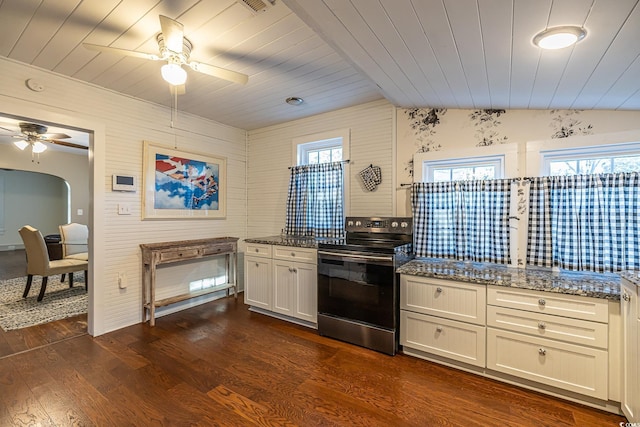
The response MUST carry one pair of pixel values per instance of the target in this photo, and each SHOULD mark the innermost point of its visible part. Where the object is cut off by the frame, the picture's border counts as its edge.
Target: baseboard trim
(5, 248)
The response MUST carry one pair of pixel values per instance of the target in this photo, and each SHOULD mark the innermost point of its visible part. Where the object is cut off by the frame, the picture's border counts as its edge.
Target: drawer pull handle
(626, 297)
(295, 270)
(542, 352)
(541, 301)
(293, 254)
(438, 328)
(257, 250)
(542, 325)
(257, 265)
(438, 289)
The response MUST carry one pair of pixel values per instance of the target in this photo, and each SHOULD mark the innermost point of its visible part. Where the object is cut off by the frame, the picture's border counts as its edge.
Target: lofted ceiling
(337, 53)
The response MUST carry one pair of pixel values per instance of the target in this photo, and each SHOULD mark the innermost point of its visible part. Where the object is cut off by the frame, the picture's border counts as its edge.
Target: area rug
(59, 301)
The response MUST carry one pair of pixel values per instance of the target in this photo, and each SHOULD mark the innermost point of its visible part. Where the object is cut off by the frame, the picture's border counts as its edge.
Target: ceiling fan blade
(221, 73)
(118, 51)
(66, 144)
(8, 130)
(56, 136)
(173, 34)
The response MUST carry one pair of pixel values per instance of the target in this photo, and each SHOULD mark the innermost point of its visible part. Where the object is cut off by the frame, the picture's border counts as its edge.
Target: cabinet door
(567, 366)
(630, 383)
(284, 282)
(306, 292)
(258, 282)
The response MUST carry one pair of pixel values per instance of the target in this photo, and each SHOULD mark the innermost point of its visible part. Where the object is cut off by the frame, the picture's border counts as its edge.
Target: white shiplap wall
(270, 154)
(126, 122)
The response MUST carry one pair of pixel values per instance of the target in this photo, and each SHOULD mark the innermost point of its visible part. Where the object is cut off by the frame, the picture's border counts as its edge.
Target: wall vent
(258, 6)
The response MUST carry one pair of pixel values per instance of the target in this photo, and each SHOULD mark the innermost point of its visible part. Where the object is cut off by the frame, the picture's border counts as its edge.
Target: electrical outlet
(122, 280)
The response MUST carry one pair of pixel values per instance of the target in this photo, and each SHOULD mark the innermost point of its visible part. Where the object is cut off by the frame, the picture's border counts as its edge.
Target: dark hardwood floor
(13, 264)
(219, 364)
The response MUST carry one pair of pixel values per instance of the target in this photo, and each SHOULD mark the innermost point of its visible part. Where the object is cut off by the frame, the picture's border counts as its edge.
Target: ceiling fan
(176, 50)
(35, 135)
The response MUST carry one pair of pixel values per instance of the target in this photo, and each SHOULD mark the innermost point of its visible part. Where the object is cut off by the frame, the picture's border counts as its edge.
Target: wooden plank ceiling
(338, 53)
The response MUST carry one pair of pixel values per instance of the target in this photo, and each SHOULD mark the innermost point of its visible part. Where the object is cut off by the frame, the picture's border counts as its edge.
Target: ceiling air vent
(258, 6)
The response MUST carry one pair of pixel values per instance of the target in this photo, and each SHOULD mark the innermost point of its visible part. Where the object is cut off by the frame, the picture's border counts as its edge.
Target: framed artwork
(179, 184)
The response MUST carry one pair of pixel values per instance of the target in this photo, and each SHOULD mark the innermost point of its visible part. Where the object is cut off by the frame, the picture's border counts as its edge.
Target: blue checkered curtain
(315, 205)
(585, 222)
(464, 220)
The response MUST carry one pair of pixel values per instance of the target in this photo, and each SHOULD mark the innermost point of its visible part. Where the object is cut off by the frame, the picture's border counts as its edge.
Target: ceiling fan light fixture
(174, 74)
(21, 144)
(559, 37)
(38, 147)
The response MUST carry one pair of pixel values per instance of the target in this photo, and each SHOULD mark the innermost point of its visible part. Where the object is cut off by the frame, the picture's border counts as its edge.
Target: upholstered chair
(73, 238)
(38, 262)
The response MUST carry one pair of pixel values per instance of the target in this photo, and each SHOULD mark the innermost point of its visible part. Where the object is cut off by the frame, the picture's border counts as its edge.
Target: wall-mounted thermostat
(123, 183)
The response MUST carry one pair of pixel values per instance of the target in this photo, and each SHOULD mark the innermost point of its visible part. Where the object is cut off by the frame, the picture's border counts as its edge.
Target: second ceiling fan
(176, 50)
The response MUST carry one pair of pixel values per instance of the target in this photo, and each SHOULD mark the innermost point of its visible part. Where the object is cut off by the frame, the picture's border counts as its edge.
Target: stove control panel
(398, 225)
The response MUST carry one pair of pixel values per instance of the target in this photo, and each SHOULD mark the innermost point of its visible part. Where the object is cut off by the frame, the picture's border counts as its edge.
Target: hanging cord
(174, 117)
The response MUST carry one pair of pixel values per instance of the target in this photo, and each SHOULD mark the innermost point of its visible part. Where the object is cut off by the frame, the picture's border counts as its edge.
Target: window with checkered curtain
(315, 200)
(463, 220)
(585, 222)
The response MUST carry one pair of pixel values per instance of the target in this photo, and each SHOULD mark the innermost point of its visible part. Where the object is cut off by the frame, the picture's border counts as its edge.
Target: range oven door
(358, 287)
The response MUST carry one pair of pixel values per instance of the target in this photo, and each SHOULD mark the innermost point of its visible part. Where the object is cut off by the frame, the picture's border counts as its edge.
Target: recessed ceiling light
(294, 100)
(559, 37)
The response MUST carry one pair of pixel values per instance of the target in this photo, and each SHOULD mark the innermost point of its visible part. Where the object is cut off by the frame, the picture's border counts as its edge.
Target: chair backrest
(73, 238)
(36, 249)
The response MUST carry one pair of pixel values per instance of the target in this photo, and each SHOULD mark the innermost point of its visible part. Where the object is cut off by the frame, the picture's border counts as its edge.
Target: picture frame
(182, 185)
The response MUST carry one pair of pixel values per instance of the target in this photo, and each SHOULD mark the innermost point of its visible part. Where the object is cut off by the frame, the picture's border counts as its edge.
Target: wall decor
(182, 185)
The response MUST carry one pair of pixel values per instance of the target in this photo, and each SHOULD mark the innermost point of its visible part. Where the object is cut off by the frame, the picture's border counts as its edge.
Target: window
(463, 169)
(594, 160)
(584, 209)
(317, 188)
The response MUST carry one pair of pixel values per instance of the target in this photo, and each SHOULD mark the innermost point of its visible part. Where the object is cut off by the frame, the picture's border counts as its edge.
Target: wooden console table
(154, 254)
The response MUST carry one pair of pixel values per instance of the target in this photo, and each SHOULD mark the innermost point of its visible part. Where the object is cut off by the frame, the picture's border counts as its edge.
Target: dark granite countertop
(597, 285)
(287, 240)
(632, 276)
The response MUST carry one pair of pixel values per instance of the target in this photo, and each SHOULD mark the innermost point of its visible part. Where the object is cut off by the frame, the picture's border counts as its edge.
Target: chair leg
(28, 287)
(71, 280)
(43, 288)
(63, 276)
(86, 280)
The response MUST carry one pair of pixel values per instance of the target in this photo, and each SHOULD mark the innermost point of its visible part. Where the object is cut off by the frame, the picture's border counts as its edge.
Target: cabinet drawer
(577, 307)
(444, 298)
(447, 338)
(573, 331)
(177, 254)
(295, 254)
(567, 366)
(217, 249)
(255, 249)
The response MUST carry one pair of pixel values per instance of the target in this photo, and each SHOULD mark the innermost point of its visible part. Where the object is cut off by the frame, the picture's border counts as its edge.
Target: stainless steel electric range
(358, 288)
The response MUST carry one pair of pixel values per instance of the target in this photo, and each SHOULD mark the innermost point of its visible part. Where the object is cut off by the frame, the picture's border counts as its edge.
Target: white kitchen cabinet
(630, 340)
(295, 283)
(555, 339)
(444, 318)
(258, 276)
(282, 280)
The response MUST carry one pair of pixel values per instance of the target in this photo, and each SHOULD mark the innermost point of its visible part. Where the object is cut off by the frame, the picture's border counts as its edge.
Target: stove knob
(394, 224)
(350, 223)
(404, 224)
(358, 223)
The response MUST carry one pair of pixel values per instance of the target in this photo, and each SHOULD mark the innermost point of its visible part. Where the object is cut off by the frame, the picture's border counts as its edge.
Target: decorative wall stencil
(486, 122)
(565, 124)
(423, 121)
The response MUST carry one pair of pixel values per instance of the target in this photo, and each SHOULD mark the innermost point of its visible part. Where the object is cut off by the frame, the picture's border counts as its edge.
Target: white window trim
(538, 150)
(508, 151)
(318, 138)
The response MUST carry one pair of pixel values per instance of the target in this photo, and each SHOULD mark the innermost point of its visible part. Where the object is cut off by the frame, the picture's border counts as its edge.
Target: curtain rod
(341, 161)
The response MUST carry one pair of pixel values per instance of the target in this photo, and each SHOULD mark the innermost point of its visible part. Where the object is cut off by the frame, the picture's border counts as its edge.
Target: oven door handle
(345, 256)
